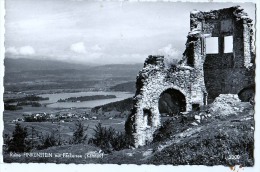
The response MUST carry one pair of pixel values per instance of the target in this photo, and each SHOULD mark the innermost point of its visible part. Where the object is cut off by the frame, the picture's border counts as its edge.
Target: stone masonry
(199, 77)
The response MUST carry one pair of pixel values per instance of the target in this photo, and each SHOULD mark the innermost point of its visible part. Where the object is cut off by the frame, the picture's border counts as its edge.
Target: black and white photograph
(121, 82)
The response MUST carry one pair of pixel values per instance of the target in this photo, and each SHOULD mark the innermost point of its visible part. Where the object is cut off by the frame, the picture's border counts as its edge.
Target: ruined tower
(200, 76)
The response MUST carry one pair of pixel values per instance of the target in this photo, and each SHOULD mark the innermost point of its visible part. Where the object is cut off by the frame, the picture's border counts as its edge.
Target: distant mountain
(29, 74)
(127, 86)
(23, 64)
(117, 70)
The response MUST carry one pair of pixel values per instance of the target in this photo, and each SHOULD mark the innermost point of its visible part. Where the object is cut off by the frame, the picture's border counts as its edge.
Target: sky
(94, 32)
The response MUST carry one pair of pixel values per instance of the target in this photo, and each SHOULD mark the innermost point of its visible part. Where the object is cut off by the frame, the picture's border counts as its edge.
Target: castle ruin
(200, 76)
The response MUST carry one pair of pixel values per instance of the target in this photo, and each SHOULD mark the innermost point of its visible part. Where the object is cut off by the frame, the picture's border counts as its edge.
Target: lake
(53, 98)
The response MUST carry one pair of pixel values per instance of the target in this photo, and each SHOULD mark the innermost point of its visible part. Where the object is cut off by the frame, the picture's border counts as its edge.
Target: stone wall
(199, 77)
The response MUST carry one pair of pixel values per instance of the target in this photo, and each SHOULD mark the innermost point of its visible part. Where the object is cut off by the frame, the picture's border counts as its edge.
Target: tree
(59, 134)
(19, 142)
(108, 139)
(49, 140)
(7, 140)
(79, 135)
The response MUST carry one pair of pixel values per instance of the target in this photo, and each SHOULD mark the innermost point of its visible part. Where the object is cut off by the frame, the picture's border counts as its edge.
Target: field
(218, 139)
(66, 128)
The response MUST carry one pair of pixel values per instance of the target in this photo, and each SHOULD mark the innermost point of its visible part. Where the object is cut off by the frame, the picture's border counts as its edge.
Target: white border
(2, 31)
(4, 167)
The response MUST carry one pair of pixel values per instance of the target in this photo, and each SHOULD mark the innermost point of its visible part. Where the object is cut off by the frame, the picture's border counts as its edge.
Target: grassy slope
(120, 106)
(208, 143)
(211, 144)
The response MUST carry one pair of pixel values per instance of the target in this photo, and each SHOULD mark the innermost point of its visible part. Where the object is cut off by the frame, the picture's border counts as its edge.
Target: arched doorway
(171, 102)
(247, 94)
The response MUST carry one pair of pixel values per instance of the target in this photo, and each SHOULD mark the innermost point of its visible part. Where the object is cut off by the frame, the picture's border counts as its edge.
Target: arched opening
(148, 116)
(247, 94)
(171, 102)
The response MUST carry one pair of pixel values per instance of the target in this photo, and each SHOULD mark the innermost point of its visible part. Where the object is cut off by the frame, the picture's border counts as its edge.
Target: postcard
(122, 82)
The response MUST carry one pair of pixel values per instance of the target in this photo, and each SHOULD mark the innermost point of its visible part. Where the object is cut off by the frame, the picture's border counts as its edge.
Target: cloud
(83, 53)
(169, 51)
(96, 48)
(12, 50)
(171, 55)
(78, 48)
(25, 50)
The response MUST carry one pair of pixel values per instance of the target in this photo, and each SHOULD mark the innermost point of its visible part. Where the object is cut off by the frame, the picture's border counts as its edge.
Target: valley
(33, 102)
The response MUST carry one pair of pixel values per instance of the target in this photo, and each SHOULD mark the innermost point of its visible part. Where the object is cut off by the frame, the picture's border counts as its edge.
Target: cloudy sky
(83, 31)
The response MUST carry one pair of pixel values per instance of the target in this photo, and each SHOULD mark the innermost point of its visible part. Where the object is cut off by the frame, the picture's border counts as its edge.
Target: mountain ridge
(28, 64)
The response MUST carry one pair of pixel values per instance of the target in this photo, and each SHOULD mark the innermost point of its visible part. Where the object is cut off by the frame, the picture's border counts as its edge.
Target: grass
(178, 142)
(66, 127)
(210, 143)
(211, 146)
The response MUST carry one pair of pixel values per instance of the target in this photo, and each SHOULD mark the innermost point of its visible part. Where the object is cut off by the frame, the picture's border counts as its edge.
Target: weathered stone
(226, 104)
(147, 153)
(194, 123)
(197, 117)
(199, 77)
(129, 154)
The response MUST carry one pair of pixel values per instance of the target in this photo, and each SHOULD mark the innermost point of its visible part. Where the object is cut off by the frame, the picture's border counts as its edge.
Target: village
(55, 118)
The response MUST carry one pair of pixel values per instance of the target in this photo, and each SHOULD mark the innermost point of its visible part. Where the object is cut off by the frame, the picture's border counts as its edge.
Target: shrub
(7, 140)
(122, 141)
(49, 140)
(79, 135)
(18, 142)
(109, 139)
(170, 127)
(102, 137)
